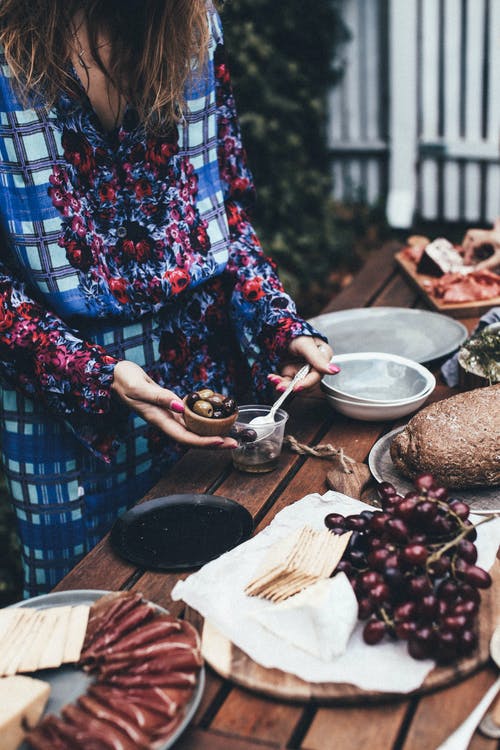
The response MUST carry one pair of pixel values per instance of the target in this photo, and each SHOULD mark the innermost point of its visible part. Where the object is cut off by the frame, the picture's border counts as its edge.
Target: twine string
(324, 450)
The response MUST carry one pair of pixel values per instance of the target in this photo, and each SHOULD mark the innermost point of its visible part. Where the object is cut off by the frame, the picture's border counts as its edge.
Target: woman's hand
(473, 240)
(159, 406)
(305, 349)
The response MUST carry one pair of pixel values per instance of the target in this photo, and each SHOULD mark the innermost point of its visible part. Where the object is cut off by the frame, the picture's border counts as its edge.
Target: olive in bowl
(209, 413)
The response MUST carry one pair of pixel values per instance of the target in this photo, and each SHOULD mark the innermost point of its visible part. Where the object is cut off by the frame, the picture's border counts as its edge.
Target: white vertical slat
(403, 114)
(430, 103)
(371, 67)
(493, 122)
(373, 179)
(492, 192)
(473, 102)
(452, 55)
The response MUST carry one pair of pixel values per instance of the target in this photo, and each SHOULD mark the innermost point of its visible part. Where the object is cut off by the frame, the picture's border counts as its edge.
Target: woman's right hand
(159, 406)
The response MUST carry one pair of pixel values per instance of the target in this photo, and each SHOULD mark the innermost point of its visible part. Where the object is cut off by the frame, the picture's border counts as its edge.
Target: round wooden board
(233, 664)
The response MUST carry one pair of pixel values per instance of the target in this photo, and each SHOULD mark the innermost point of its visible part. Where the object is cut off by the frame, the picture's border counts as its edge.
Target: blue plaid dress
(120, 246)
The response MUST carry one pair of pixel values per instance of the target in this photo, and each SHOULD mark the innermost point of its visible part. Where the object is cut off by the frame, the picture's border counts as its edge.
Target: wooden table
(232, 718)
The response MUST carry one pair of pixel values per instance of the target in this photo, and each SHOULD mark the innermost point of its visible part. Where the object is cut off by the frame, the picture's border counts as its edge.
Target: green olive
(205, 393)
(203, 408)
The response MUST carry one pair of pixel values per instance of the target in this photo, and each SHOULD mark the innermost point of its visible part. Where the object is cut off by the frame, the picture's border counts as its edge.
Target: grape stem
(453, 542)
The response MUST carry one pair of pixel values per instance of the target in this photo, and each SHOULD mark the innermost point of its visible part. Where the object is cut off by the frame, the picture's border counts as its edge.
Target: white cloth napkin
(216, 591)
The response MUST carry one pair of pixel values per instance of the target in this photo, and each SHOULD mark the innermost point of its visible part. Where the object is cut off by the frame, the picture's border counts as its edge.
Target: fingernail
(177, 406)
(334, 369)
(281, 388)
(273, 378)
(299, 387)
(218, 441)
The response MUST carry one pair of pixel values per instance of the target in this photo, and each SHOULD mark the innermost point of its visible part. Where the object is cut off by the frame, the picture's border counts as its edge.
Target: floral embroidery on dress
(130, 222)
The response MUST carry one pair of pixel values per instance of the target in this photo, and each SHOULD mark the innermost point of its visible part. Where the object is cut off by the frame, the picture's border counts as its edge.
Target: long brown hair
(152, 46)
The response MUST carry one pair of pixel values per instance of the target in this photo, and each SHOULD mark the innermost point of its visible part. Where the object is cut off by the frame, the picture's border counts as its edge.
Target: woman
(131, 273)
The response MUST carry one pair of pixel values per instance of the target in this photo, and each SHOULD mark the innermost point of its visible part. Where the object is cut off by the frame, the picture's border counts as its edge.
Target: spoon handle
(461, 737)
(298, 376)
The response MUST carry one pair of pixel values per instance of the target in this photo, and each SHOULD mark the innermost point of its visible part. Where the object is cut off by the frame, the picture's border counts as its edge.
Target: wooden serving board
(455, 309)
(233, 664)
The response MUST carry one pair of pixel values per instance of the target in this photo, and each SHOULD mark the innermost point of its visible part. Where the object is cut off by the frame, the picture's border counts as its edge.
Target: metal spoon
(461, 737)
(269, 418)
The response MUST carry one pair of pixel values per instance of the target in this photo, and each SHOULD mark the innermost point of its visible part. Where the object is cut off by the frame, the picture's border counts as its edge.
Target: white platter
(68, 683)
(483, 500)
(420, 335)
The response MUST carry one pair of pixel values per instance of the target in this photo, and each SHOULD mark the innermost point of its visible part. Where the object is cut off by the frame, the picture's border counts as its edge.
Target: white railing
(415, 121)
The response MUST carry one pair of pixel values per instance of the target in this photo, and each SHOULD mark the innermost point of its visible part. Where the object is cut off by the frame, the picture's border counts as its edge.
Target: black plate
(179, 532)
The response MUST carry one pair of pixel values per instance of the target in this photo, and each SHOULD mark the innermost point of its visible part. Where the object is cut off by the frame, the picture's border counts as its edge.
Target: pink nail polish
(334, 369)
(281, 388)
(299, 387)
(177, 406)
(217, 442)
(273, 378)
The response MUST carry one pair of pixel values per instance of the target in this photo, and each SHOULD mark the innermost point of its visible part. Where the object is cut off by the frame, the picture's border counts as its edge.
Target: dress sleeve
(44, 358)
(264, 315)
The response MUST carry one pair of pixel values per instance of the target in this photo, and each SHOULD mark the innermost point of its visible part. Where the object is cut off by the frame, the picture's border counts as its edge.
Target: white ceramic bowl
(378, 378)
(376, 412)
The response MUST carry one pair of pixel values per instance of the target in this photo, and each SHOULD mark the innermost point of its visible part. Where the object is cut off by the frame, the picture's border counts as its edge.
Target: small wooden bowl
(205, 426)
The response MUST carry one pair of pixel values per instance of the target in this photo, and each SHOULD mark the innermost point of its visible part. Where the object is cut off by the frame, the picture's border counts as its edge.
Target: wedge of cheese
(318, 620)
(22, 702)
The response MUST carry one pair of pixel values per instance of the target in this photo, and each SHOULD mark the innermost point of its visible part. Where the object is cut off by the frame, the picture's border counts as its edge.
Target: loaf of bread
(457, 440)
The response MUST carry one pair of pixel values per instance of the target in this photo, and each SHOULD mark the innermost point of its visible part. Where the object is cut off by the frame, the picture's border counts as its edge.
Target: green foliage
(284, 58)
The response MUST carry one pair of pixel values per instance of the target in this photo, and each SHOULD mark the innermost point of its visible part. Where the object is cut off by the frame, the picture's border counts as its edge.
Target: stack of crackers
(297, 561)
(32, 639)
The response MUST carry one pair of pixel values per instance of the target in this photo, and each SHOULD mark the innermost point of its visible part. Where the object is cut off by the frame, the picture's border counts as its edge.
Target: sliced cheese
(77, 627)
(22, 702)
(52, 655)
(318, 620)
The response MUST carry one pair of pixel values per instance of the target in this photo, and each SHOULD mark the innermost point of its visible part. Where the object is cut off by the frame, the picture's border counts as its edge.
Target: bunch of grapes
(412, 567)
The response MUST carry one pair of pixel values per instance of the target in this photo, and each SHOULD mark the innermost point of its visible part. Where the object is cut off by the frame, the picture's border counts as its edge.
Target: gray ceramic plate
(420, 335)
(480, 499)
(67, 682)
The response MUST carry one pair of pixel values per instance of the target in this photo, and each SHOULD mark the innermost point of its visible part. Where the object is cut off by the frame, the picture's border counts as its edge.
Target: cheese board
(233, 664)
(455, 309)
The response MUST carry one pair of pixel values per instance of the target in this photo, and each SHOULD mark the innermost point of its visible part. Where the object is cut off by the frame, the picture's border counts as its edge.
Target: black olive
(247, 435)
(191, 399)
(229, 405)
(218, 413)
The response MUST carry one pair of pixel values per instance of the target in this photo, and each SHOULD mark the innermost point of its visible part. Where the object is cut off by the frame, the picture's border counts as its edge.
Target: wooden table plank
(246, 714)
(202, 739)
(431, 725)
(369, 282)
(355, 727)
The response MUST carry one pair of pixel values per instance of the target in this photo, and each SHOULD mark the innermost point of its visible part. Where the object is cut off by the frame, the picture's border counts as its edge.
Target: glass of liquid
(259, 445)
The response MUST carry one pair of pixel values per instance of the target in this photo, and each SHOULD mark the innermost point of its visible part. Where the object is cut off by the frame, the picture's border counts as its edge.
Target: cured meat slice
(116, 627)
(473, 287)
(105, 609)
(146, 717)
(98, 710)
(161, 626)
(88, 730)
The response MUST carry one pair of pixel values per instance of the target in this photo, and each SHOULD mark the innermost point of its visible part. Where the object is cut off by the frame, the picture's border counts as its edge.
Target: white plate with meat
(69, 682)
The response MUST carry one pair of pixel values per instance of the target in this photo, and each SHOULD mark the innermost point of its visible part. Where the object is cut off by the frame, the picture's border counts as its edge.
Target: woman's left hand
(301, 350)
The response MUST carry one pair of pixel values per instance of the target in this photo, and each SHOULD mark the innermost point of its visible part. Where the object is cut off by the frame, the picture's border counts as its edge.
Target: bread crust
(457, 440)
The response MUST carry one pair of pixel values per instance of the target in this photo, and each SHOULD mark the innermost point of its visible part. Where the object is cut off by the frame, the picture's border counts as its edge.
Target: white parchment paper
(216, 591)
